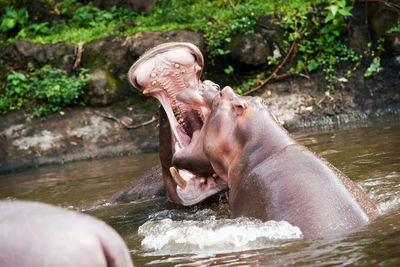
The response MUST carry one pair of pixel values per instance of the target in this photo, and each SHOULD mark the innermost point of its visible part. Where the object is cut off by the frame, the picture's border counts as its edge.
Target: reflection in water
(161, 233)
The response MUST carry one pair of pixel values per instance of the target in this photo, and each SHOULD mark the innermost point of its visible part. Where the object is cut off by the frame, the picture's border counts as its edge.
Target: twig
(232, 6)
(292, 73)
(112, 117)
(78, 55)
(280, 65)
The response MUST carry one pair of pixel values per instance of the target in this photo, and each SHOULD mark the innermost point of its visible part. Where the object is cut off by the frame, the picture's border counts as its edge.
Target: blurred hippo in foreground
(35, 234)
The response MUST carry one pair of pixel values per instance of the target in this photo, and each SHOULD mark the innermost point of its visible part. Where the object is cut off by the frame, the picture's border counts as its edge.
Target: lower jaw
(194, 194)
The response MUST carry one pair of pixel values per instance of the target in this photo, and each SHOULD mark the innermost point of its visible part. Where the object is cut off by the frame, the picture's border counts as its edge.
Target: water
(160, 233)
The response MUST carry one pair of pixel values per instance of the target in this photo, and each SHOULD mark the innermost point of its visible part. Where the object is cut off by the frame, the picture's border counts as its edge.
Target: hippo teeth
(177, 177)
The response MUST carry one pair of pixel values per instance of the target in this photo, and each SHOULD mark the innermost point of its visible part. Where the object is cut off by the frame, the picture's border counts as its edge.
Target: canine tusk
(177, 177)
(215, 176)
(146, 91)
(203, 180)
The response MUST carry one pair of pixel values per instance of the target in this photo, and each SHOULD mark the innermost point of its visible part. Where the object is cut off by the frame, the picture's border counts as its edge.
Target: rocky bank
(117, 121)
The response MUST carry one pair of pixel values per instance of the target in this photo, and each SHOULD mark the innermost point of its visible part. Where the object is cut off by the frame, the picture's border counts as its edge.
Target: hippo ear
(238, 108)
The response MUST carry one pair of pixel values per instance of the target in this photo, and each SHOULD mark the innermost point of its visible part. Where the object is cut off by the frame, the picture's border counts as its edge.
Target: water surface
(159, 233)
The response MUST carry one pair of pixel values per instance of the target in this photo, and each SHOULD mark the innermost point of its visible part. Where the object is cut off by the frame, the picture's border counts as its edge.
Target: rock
(103, 89)
(141, 42)
(109, 59)
(38, 10)
(393, 43)
(381, 18)
(248, 51)
(269, 29)
(135, 5)
(370, 21)
(80, 133)
(108, 62)
(358, 32)
(59, 55)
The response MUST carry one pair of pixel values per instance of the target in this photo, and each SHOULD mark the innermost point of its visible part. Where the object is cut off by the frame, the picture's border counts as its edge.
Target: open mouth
(164, 72)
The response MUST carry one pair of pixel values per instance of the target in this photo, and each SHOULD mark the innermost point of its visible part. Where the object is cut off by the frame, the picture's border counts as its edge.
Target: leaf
(7, 24)
(345, 12)
(313, 65)
(333, 9)
(329, 17)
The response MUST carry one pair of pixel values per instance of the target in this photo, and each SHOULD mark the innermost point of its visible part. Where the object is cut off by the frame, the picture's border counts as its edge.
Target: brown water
(203, 235)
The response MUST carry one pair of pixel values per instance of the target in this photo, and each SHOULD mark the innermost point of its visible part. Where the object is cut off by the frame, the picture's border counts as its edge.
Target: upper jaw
(163, 73)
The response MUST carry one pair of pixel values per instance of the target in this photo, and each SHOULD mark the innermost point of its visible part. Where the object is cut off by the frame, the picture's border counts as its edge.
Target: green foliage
(90, 16)
(42, 91)
(396, 28)
(317, 36)
(229, 69)
(374, 67)
(319, 24)
(66, 7)
(14, 19)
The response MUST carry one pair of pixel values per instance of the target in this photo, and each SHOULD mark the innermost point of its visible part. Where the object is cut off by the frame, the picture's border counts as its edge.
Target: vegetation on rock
(42, 91)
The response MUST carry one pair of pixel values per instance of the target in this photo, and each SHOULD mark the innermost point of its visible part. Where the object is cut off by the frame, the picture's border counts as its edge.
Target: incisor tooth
(203, 180)
(215, 176)
(154, 74)
(176, 65)
(146, 91)
(197, 68)
(153, 83)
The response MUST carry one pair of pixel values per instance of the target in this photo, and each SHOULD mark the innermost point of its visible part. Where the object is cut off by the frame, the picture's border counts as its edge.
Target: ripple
(210, 236)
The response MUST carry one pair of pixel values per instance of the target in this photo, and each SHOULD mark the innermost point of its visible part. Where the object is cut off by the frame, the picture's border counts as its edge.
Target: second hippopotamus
(270, 175)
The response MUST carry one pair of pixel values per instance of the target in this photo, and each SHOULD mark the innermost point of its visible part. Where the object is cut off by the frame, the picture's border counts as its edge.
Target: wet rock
(248, 51)
(80, 133)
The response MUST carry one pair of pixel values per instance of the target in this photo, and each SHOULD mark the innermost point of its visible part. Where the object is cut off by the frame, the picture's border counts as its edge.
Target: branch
(78, 55)
(280, 65)
(389, 4)
(233, 7)
(111, 117)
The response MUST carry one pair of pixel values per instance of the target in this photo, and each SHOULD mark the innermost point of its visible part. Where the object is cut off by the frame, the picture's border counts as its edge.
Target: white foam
(166, 237)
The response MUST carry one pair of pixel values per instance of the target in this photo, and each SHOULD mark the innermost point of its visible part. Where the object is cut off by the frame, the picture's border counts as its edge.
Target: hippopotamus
(162, 73)
(35, 234)
(270, 175)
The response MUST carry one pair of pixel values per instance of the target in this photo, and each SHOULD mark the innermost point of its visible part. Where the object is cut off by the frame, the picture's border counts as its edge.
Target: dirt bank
(82, 133)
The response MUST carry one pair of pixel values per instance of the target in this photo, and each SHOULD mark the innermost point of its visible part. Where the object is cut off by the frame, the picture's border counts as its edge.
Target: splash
(166, 237)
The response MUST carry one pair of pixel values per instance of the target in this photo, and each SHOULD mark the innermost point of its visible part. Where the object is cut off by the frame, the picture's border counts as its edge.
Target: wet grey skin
(270, 175)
